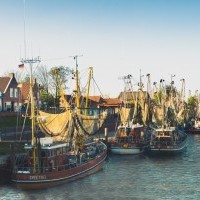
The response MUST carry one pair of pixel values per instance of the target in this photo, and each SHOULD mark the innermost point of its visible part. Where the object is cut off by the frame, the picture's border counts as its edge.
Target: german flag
(21, 66)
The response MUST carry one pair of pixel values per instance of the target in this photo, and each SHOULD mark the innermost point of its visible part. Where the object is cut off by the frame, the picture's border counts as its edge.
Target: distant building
(97, 102)
(9, 93)
(129, 96)
(112, 105)
(14, 95)
(24, 92)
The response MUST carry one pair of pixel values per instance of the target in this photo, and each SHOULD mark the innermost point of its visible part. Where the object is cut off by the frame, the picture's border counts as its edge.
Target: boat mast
(77, 82)
(149, 91)
(163, 100)
(140, 83)
(126, 103)
(183, 90)
(33, 141)
(172, 90)
(88, 88)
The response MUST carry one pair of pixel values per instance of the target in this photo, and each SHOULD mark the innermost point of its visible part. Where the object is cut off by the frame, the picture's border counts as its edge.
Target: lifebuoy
(125, 145)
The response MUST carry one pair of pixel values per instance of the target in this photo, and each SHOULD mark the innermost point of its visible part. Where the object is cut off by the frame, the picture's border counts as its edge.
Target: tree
(59, 76)
(192, 107)
(42, 75)
(47, 100)
(50, 82)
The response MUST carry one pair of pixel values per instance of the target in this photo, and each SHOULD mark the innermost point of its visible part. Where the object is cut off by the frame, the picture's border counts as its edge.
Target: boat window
(126, 139)
(43, 154)
(128, 130)
(64, 149)
(54, 152)
(49, 153)
(59, 151)
(30, 153)
(122, 130)
(167, 133)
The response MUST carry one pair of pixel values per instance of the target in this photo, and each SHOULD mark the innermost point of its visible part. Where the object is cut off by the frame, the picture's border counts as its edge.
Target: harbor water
(130, 177)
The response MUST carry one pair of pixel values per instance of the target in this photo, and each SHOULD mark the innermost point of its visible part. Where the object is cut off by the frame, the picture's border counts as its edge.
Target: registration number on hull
(38, 177)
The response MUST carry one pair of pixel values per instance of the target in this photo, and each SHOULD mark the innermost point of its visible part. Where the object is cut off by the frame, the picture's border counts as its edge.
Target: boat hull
(50, 179)
(194, 131)
(5, 175)
(168, 149)
(126, 151)
(5, 171)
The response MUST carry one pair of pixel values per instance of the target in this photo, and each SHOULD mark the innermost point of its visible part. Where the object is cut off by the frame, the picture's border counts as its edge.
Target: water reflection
(130, 177)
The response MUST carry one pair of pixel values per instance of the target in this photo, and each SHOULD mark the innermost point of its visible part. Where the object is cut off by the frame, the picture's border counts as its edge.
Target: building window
(16, 93)
(1, 108)
(8, 106)
(11, 92)
(16, 107)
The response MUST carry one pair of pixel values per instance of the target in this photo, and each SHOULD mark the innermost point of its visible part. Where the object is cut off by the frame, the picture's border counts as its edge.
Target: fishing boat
(56, 163)
(193, 120)
(5, 172)
(168, 140)
(131, 137)
(129, 140)
(195, 127)
(64, 153)
(169, 135)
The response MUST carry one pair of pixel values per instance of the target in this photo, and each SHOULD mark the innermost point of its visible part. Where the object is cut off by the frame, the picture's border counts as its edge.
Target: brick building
(9, 93)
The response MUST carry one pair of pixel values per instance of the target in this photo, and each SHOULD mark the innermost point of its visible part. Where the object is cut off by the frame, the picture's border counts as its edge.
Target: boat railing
(166, 143)
(57, 168)
(131, 140)
(82, 158)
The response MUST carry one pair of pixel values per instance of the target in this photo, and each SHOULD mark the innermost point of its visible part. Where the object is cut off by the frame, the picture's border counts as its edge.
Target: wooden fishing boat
(129, 140)
(5, 172)
(63, 154)
(169, 135)
(57, 164)
(131, 137)
(195, 128)
(168, 140)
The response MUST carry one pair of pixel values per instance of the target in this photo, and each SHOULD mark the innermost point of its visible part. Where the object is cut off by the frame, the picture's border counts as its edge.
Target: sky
(115, 37)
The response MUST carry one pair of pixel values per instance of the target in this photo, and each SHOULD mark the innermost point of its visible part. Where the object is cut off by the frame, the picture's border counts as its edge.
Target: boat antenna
(183, 89)
(77, 83)
(24, 30)
(172, 75)
(140, 83)
(33, 128)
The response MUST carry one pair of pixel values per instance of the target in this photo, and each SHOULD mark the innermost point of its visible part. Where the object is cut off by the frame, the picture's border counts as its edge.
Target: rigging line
(25, 119)
(63, 58)
(97, 86)
(79, 125)
(24, 31)
(35, 70)
(18, 114)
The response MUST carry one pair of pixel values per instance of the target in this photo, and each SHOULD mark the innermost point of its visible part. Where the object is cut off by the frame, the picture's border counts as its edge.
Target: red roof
(3, 83)
(95, 98)
(112, 101)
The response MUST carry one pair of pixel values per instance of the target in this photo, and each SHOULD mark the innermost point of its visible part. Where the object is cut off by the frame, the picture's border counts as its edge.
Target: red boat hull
(49, 179)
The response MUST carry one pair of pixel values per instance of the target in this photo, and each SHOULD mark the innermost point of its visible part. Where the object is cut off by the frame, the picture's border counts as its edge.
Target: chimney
(11, 75)
(34, 81)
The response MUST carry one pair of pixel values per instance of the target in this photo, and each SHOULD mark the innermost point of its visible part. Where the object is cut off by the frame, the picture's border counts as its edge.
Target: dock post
(106, 134)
